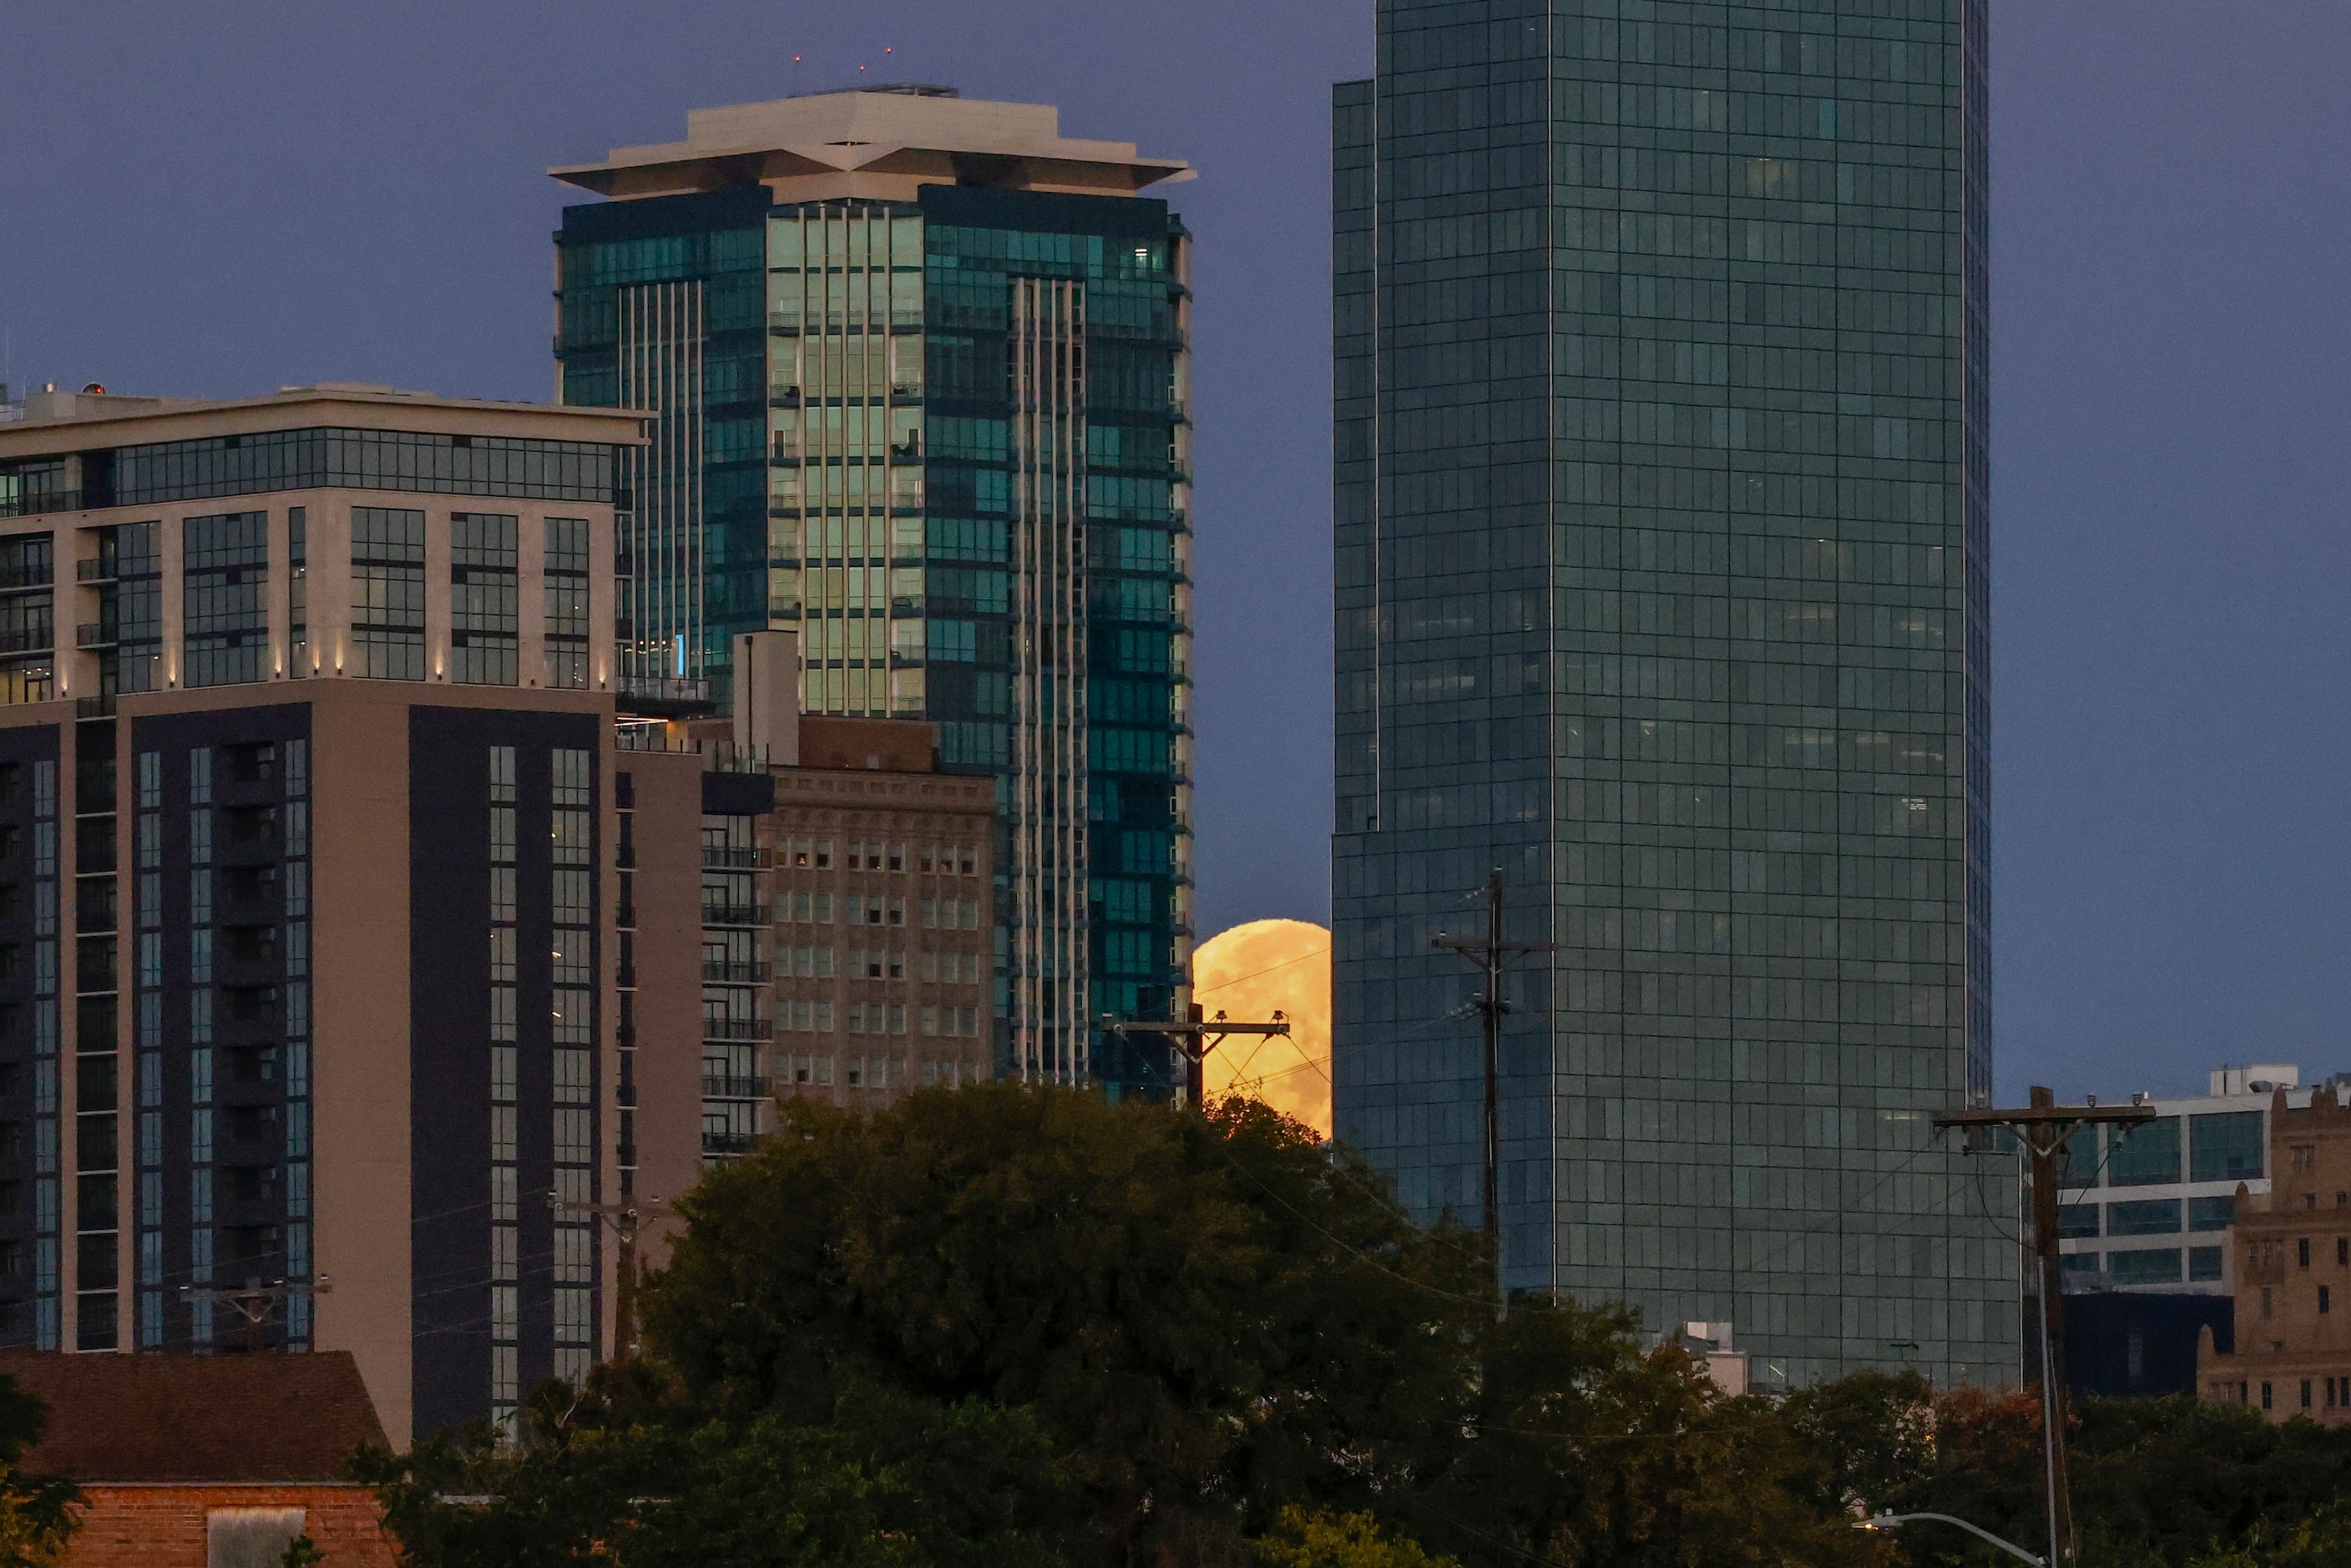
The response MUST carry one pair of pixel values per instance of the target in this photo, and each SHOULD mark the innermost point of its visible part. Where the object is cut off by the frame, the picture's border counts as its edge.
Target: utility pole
(255, 1302)
(1491, 956)
(1196, 1037)
(2043, 1128)
(625, 1220)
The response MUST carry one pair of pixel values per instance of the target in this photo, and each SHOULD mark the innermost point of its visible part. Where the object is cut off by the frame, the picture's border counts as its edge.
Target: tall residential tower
(1661, 552)
(306, 1017)
(920, 365)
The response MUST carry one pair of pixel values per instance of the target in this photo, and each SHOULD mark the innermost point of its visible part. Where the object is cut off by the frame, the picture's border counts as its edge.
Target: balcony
(725, 973)
(728, 857)
(99, 569)
(732, 1031)
(666, 697)
(735, 1087)
(94, 634)
(733, 914)
(36, 503)
(727, 1143)
(26, 580)
(27, 640)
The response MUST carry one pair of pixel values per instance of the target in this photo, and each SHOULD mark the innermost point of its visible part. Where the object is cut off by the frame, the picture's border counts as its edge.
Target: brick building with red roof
(210, 1461)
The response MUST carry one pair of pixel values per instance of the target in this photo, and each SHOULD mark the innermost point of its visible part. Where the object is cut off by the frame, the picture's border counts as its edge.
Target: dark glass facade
(944, 440)
(275, 460)
(505, 1089)
(1661, 550)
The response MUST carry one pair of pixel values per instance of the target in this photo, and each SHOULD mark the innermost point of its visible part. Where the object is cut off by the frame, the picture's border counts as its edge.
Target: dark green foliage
(2157, 1482)
(1585, 1450)
(888, 1483)
(1012, 1327)
(1208, 1315)
(37, 1512)
(1304, 1539)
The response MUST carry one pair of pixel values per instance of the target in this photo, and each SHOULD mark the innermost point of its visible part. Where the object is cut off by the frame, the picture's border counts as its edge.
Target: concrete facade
(873, 144)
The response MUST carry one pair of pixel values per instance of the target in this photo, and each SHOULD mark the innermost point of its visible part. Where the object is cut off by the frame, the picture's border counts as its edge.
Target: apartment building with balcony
(306, 927)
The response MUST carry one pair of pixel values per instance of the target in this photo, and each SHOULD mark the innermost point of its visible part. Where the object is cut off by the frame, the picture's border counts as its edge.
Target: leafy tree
(1005, 1325)
(1209, 1315)
(1587, 1450)
(38, 1514)
(1987, 1468)
(1303, 1539)
(2170, 1477)
(887, 1485)
(2320, 1541)
(2157, 1483)
(1872, 1433)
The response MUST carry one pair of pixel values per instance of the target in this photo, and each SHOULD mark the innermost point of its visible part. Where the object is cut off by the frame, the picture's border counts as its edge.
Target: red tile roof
(160, 1417)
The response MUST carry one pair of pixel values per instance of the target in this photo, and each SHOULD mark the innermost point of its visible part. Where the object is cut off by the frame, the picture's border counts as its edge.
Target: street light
(1885, 1521)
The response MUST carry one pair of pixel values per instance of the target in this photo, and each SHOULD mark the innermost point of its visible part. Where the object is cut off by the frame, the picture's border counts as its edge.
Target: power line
(1253, 974)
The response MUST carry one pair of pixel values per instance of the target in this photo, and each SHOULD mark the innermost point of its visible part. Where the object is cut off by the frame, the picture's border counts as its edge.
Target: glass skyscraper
(1661, 553)
(920, 365)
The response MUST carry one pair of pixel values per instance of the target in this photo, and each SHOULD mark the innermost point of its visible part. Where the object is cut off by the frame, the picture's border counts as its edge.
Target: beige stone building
(845, 918)
(883, 919)
(2292, 1256)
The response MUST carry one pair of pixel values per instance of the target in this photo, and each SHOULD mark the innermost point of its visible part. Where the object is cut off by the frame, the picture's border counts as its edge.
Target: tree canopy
(37, 1512)
(1002, 1325)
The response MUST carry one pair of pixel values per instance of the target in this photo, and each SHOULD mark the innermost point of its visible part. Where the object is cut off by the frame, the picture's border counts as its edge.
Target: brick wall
(163, 1526)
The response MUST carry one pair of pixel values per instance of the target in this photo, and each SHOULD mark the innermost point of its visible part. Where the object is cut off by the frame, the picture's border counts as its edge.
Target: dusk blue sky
(216, 199)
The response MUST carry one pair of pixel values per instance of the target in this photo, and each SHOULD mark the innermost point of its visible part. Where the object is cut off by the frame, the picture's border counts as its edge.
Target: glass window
(2145, 1266)
(2078, 1161)
(566, 588)
(482, 612)
(387, 593)
(2211, 1213)
(2226, 1146)
(2147, 1155)
(2203, 1263)
(225, 616)
(27, 629)
(2152, 1216)
(2077, 1220)
(363, 460)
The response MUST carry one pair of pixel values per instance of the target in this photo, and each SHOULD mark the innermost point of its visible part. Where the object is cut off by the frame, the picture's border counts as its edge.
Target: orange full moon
(1249, 973)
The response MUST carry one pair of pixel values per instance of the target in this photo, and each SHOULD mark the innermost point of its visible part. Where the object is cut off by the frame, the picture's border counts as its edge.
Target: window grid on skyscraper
(1661, 564)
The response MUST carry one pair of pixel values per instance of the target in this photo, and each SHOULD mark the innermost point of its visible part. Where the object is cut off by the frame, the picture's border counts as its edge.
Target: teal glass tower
(1661, 552)
(920, 371)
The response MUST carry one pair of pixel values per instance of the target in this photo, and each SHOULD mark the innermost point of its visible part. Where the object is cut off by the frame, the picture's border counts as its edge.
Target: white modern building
(2147, 1207)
